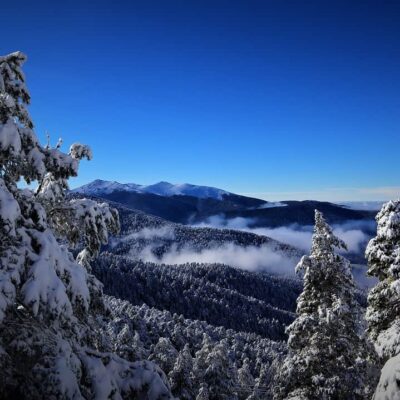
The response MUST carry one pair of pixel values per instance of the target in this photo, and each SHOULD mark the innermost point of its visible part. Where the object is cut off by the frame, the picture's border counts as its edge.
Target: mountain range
(167, 189)
(193, 204)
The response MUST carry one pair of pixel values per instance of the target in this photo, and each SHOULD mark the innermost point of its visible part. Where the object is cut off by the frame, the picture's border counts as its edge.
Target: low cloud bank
(163, 232)
(363, 205)
(354, 233)
(251, 258)
(270, 205)
(296, 236)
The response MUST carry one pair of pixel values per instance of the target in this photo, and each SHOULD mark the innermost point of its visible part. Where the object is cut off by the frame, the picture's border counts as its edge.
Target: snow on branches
(35, 269)
(328, 357)
(48, 299)
(383, 255)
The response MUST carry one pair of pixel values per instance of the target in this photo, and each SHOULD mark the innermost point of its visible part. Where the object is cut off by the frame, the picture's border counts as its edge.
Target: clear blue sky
(278, 99)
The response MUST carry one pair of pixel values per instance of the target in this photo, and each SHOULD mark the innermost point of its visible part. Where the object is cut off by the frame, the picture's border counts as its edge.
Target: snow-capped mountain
(100, 186)
(194, 204)
(166, 189)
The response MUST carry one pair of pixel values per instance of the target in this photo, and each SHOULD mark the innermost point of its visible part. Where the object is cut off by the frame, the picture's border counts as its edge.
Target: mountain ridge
(161, 188)
(196, 207)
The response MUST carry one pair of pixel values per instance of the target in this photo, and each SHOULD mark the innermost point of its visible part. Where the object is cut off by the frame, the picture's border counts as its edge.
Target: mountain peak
(162, 188)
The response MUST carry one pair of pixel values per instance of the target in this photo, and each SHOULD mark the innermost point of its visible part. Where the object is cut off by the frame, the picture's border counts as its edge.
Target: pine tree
(51, 307)
(203, 393)
(246, 380)
(128, 344)
(328, 359)
(383, 255)
(181, 375)
(263, 383)
(165, 354)
(200, 361)
(219, 374)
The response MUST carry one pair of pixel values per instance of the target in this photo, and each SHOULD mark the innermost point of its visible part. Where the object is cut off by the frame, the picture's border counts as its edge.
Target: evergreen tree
(200, 361)
(219, 375)
(181, 375)
(203, 393)
(51, 307)
(165, 354)
(328, 359)
(128, 344)
(263, 383)
(383, 255)
(246, 380)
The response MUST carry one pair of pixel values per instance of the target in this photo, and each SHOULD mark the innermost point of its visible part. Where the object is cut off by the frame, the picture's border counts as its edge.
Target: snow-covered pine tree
(262, 383)
(328, 358)
(200, 361)
(383, 317)
(219, 375)
(127, 343)
(181, 375)
(203, 393)
(164, 354)
(52, 344)
(246, 380)
(383, 255)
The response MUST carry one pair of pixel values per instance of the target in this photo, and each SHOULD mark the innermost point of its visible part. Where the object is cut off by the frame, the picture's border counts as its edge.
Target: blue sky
(277, 99)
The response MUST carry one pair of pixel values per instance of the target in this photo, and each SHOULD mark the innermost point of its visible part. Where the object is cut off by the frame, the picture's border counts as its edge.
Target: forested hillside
(196, 355)
(263, 304)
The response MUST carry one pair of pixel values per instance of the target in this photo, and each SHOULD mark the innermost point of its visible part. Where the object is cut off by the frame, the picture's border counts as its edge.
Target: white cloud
(300, 238)
(163, 232)
(363, 205)
(352, 232)
(251, 258)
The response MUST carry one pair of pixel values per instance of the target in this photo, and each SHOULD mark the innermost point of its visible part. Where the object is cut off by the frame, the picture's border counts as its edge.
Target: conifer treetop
(13, 93)
(324, 240)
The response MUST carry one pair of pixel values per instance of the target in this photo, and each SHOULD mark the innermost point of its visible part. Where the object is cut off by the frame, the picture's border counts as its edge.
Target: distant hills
(199, 291)
(191, 204)
(132, 268)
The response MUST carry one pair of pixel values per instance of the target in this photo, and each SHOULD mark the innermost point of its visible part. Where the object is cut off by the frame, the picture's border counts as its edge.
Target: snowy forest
(82, 318)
